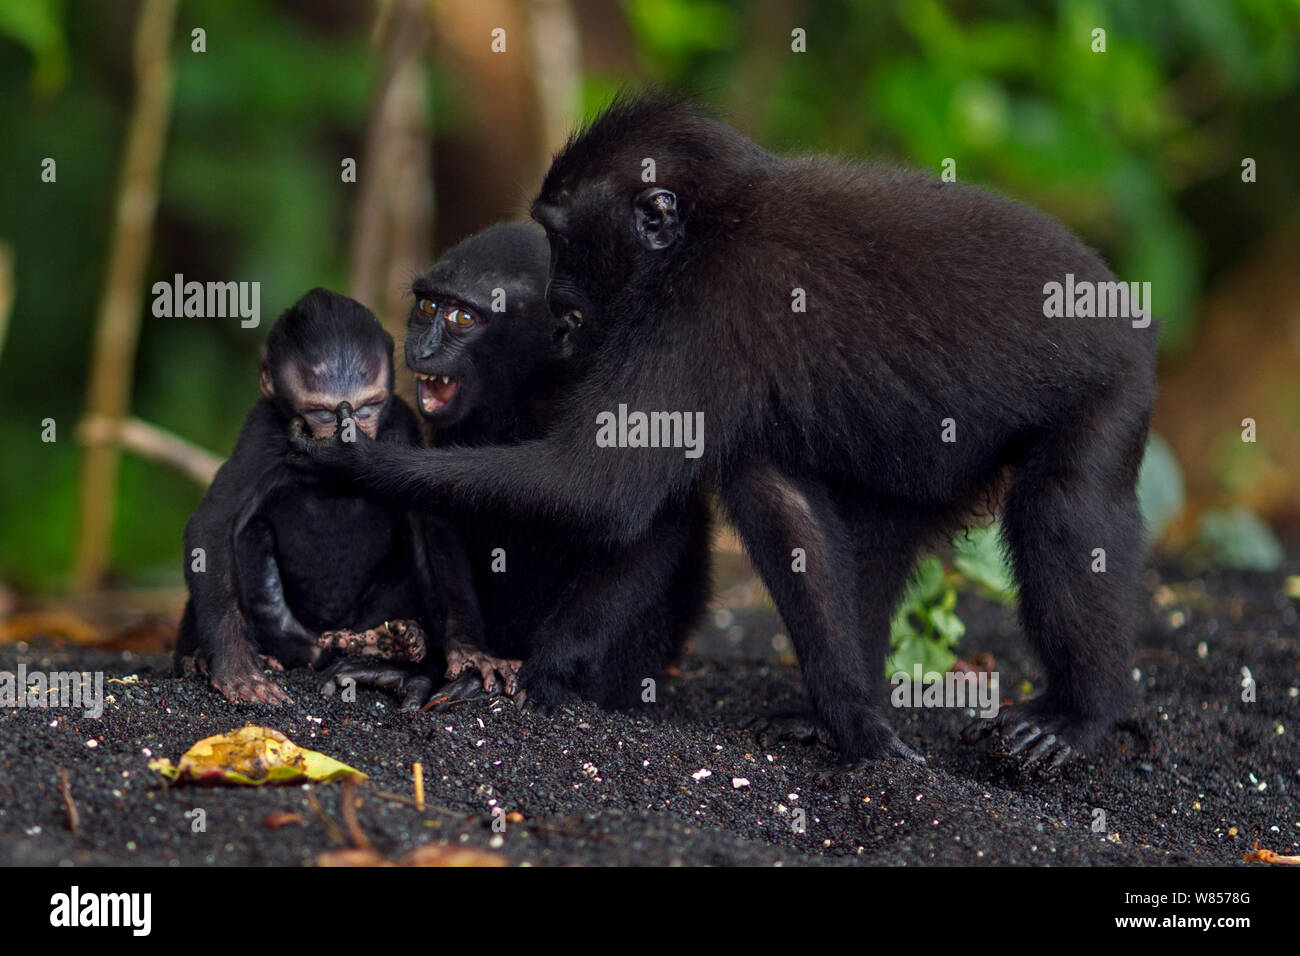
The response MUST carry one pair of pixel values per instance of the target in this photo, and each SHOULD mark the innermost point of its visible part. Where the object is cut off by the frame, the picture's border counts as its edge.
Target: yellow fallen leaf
(251, 756)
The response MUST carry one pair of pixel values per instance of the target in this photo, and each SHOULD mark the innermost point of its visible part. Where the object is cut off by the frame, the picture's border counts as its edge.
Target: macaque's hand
(338, 456)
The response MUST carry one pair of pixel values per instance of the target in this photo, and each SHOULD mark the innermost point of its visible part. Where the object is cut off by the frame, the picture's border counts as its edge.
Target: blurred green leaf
(926, 583)
(1160, 487)
(979, 555)
(1238, 539)
(38, 26)
(673, 32)
(933, 657)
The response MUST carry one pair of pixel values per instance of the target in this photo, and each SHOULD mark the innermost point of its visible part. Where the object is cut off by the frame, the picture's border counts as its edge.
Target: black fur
(287, 557)
(590, 618)
(823, 428)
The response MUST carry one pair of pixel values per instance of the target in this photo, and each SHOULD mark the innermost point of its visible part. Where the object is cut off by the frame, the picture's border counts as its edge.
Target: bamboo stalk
(557, 56)
(117, 325)
(7, 290)
(393, 221)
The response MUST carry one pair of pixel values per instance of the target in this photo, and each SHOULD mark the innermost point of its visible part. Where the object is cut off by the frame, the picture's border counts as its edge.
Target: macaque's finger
(1062, 755)
(530, 705)
(509, 671)
(275, 695)
(467, 685)
(343, 412)
(416, 691)
(977, 730)
(1046, 746)
(462, 688)
(900, 749)
(251, 690)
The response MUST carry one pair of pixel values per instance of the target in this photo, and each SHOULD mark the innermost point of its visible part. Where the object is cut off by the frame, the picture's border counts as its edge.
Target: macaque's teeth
(446, 380)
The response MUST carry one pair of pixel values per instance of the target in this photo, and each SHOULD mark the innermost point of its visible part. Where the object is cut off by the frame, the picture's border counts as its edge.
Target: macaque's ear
(264, 377)
(657, 223)
(565, 329)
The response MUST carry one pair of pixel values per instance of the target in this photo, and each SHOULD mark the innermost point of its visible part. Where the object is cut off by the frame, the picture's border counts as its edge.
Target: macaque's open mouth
(435, 391)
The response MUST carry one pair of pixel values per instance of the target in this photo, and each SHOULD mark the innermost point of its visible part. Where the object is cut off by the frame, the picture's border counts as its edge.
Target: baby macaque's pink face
(318, 405)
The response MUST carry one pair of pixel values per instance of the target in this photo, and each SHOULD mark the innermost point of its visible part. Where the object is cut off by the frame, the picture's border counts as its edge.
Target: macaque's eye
(461, 318)
(321, 416)
(428, 306)
(367, 412)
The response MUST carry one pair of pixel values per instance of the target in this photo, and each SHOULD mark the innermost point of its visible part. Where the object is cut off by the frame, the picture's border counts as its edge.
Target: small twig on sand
(432, 807)
(335, 833)
(445, 702)
(350, 820)
(70, 805)
(417, 770)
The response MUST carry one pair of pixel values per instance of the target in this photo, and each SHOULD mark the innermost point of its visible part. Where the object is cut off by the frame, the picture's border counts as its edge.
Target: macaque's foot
(540, 693)
(802, 727)
(395, 640)
(191, 665)
(472, 672)
(270, 663)
(498, 674)
(411, 684)
(240, 682)
(243, 683)
(794, 726)
(1037, 736)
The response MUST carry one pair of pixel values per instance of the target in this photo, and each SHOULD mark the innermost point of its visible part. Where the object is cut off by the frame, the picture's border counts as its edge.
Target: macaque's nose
(428, 344)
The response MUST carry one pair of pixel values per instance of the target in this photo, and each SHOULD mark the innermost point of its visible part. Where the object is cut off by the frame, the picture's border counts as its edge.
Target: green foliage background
(1139, 149)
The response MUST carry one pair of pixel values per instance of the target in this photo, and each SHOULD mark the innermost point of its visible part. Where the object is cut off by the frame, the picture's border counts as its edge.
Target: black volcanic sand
(1197, 776)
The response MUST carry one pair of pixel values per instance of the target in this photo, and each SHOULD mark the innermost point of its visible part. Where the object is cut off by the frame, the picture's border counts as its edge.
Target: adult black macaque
(284, 556)
(590, 618)
(835, 323)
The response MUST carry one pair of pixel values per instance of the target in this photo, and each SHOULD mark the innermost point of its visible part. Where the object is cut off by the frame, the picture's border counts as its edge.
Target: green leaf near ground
(979, 555)
(1160, 487)
(1237, 538)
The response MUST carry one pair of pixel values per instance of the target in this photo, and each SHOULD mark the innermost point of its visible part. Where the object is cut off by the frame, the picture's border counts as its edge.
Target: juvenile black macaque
(589, 618)
(835, 323)
(275, 558)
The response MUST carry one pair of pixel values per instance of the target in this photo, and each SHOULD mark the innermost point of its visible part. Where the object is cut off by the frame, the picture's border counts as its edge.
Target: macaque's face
(441, 339)
(316, 395)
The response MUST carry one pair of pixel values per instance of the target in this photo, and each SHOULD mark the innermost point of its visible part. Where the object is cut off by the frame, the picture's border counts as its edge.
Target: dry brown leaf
(57, 624)
(443, 854)
(1268, 856)
(427, 854)
(353, 856)
(277, 820)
